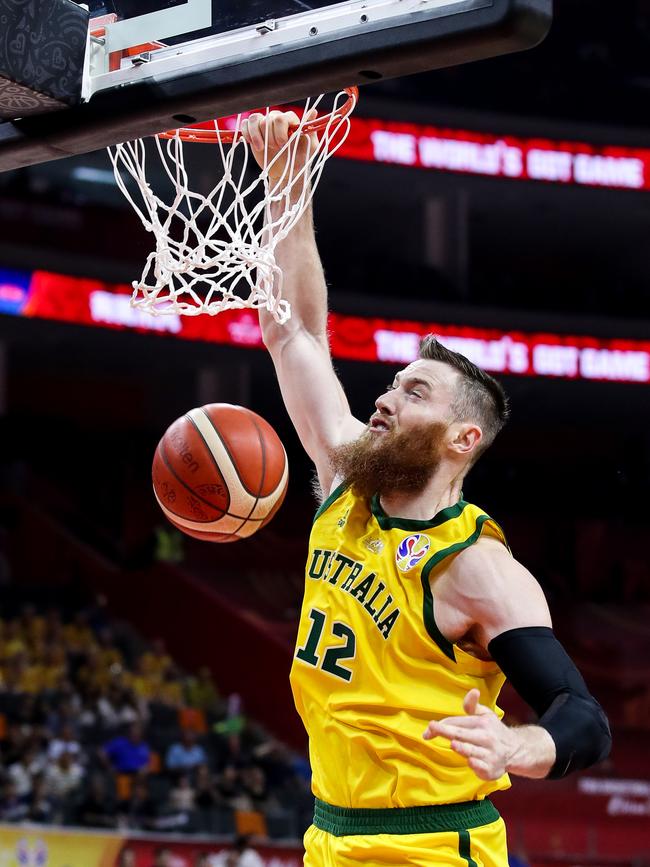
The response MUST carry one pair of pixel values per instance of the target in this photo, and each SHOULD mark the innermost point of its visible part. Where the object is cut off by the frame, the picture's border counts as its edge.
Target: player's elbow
(580, 730)
(273, 334)
(280, 338)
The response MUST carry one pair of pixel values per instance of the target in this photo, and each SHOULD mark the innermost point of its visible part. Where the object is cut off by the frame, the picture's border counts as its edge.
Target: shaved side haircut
(479, 397)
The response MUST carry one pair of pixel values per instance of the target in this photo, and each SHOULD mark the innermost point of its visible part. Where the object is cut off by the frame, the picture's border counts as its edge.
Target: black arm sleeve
(544, 675)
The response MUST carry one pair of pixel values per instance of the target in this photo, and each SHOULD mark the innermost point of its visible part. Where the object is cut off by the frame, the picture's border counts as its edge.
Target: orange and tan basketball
(220, 472)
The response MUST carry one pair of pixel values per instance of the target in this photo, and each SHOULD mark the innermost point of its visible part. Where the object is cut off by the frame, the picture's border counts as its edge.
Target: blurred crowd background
(100, 730)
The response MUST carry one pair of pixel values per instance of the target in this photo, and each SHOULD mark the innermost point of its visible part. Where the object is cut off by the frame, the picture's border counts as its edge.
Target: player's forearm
(533, 752)
(303, 284)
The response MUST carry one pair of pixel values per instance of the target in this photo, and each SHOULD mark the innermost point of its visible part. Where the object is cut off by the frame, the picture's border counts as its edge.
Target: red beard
(392, 462)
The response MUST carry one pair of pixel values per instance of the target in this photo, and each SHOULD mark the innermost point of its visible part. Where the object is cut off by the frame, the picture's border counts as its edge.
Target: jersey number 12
(332, 656)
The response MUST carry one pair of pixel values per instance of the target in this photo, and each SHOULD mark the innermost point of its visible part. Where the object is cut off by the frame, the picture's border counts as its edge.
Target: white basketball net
(216, 252)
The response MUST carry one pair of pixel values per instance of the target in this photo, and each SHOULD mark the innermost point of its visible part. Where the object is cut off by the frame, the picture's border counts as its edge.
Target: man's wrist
(533, 752)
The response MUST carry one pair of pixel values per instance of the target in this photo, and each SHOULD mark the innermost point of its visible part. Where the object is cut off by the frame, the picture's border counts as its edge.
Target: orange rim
(200, 134)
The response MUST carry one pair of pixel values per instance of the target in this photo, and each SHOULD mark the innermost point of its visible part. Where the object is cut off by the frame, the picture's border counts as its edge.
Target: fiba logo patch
(31, 854)
(411, 550)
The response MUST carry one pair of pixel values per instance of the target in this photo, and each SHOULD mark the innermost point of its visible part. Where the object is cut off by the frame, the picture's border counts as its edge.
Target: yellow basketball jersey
(371, 667)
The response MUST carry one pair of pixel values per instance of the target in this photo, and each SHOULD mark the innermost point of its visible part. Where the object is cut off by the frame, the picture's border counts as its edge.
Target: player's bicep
(497, 593)
(314, 398)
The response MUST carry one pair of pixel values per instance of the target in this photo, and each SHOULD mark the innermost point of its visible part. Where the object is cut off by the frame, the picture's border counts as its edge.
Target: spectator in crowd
(207, 795)
(98, 809)
(54, 667)
(66, 742)
(41, 805)
(12, 675)
(78, 635)
(254, 786)
(97, 613)
(202, 859)
(162, 858)
(13, 643)
(156, 661)
(182, 797)
(63, 777)
(22, 772)
(118, 707)
(13, 807)
(144, 682)
(242, 854)
(127, 858)
(33, 712)
(31, 625)
(54, 627)
(139, 810)
(169, 690)
(186, 754)
(109, 654)
(67, 694)
(168, 545)
(201, 692)
(518, 860)
(22, 674)
(229, 784)
(94, 672)
(13, 746)
(130, 754)
(88, 713)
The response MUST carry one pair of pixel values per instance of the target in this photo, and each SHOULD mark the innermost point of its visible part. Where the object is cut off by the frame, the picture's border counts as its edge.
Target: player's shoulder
(488, 568)
(488, 552)
(492, 588)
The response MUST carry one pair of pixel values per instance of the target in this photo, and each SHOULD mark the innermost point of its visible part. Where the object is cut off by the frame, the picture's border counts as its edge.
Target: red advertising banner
(46, 295)
(140, 853)
(441, 148)
(477, 153)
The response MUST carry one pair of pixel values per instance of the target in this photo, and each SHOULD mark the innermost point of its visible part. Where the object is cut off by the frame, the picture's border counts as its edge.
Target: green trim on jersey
(324, 506)
(427, 602)
(464, 848)
(434, 819)
(430, 621)
(388, 523)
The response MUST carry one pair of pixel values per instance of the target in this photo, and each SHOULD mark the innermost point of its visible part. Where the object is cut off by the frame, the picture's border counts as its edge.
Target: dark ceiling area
(592, 68)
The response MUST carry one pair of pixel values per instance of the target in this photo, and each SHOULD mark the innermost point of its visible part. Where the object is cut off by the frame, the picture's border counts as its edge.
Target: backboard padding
(442, 34)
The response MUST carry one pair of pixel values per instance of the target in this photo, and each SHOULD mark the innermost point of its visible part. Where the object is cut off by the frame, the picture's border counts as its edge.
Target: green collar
(386, 522)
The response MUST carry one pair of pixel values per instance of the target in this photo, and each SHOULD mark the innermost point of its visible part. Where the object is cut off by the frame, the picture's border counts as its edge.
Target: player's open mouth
(378, 425)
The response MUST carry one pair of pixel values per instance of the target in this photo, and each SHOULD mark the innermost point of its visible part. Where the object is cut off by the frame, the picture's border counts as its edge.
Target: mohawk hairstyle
(479, 397)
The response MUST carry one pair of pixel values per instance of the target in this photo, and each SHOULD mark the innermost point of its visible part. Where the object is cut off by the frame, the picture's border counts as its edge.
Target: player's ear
(465, 438)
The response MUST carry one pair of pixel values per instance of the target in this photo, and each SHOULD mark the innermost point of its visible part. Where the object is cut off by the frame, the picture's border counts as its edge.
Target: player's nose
(384, 403)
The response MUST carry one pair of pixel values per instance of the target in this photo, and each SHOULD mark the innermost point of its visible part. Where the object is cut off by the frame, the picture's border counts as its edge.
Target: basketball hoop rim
(200, 135)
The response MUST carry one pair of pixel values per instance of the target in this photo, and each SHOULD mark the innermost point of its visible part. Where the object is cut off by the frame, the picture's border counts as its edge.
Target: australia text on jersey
(341, 571)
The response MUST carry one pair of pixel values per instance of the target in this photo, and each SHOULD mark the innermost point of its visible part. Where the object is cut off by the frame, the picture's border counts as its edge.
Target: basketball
(220, 473)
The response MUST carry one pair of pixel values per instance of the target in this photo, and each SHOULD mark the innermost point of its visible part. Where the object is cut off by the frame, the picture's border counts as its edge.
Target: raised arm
(312, 393)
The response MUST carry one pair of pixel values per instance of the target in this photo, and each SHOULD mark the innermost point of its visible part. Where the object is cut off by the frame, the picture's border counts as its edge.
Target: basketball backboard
(153, 65)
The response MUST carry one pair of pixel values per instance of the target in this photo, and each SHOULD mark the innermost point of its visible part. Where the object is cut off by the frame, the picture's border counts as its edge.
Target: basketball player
(415, 610)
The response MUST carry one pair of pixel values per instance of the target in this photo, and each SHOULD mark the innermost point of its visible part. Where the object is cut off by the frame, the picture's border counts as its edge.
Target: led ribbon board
(58, 297)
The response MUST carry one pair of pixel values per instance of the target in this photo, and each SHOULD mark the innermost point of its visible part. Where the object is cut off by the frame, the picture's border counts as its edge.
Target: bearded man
(415, 611)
